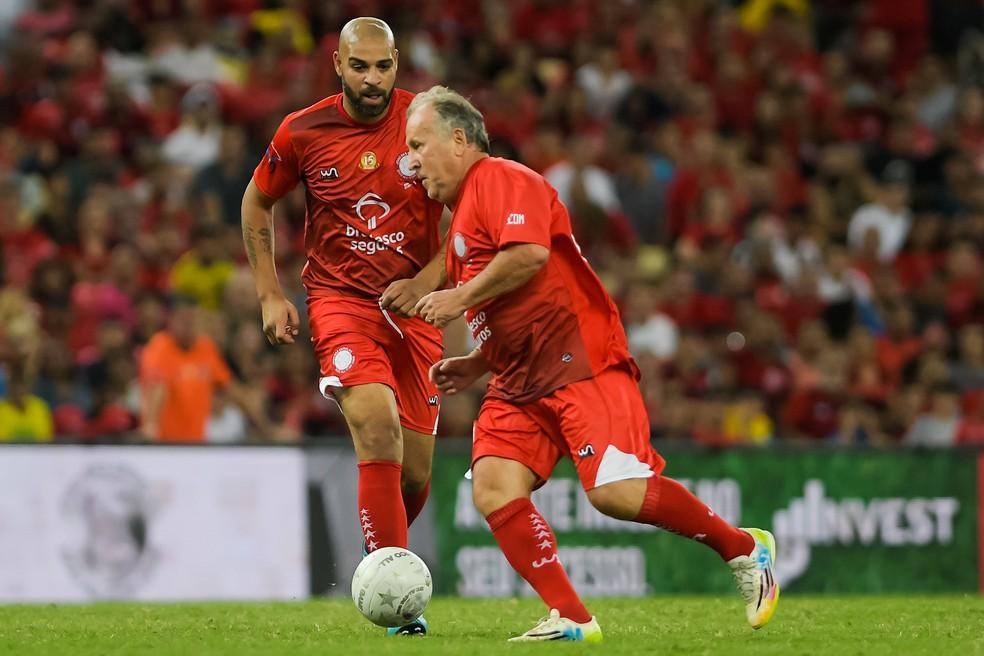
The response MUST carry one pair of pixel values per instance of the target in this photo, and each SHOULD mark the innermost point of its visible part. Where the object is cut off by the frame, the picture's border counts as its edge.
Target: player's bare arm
(452, 375)
(280, 317)
(402, 295)
(511, 268)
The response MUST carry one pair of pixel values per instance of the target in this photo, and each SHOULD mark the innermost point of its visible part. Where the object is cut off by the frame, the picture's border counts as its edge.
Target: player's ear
(337, 60)
(460, 140)
(396, 58)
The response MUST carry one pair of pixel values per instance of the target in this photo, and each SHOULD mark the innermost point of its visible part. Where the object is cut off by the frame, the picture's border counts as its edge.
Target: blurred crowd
(785, 198)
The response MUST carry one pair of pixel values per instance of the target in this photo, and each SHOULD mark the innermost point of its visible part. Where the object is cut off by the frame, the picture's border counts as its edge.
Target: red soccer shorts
(358, 343)
(600, 423)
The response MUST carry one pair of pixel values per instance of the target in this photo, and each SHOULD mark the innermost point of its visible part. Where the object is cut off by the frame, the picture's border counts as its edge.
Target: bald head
(366, 62)
(364, 28)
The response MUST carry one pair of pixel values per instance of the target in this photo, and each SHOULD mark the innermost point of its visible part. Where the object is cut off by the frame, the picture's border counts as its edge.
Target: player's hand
(441, 307)
(280, 320)
(402, 296)
(452, 375)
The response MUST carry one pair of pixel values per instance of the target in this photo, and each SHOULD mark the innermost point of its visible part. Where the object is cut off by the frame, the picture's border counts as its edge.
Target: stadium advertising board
(844, 521)
(152, 523)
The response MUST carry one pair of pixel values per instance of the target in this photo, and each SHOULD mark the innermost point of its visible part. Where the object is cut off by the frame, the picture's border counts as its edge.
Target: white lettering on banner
(465, 513)
(816, 520)
(566, 507)
(594, 571)
(372, 245)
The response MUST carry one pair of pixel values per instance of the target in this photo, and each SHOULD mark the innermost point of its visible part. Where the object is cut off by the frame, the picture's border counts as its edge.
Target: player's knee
(489, 496)
(416, 475)
(377, 438)
(621, 500)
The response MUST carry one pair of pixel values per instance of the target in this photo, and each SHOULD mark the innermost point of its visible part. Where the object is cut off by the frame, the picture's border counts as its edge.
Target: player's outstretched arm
(511, 268)
(280, 317)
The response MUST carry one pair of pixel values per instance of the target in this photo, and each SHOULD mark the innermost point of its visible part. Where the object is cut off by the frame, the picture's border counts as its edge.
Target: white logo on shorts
(343, 359)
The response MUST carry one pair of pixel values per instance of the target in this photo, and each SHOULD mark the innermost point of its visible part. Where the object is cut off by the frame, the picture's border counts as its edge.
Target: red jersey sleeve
(518, 211)
(278, 171)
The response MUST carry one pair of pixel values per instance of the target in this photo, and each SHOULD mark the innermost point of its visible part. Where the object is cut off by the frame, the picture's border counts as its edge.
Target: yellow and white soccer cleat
(555, 627)
(755, 580)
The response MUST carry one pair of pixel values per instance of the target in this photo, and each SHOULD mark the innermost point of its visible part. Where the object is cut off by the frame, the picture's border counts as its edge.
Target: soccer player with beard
(563, 383)
(372, 245)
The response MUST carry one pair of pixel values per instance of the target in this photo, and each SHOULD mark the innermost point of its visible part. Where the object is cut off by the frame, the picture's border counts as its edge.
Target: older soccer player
(563, 384)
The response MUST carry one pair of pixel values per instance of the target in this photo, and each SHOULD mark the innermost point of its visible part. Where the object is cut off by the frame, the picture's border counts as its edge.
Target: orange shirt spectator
(189, 378)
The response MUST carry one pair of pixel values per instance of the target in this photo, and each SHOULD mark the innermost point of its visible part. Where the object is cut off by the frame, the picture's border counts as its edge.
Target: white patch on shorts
(617, 465)
(343, 359)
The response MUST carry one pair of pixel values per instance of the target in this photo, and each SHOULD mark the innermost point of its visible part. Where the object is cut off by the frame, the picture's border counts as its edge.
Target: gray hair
(454, 111)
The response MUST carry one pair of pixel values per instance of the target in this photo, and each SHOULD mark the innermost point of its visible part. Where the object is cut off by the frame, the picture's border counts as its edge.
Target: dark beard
(368, 111)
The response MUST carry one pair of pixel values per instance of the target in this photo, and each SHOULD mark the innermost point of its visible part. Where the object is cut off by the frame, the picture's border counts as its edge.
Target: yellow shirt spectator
(746, 422)
(202, 282)
(755, 14)
(30, 422)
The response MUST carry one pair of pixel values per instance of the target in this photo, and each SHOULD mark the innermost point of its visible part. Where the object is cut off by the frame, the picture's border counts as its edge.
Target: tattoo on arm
(266, 240)
(250, 244)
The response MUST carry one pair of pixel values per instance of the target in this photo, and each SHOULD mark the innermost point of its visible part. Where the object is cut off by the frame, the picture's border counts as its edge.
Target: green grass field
(661, 625)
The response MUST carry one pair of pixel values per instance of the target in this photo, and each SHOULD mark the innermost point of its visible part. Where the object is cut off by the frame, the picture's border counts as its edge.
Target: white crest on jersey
(460, 247)
(403, 167)
(368, 200)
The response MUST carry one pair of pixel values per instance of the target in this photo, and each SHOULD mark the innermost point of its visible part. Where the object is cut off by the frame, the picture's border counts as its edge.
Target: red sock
(414, 502)
(381, 512)
(672, 507)
(531, 548)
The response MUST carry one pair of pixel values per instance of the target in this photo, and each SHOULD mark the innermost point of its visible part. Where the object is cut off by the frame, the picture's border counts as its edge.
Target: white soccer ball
(391, 586)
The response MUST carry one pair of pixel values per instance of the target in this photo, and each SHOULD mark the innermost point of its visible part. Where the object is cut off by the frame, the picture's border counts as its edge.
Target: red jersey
(369, 220)
(561, 326)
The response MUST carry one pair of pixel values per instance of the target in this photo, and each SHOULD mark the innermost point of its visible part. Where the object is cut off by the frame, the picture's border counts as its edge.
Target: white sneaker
(753, 576)
(555, 627)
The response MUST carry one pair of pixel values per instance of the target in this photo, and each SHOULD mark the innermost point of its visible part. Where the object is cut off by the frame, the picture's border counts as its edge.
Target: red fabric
(672, 507)
(699, 311)
(582, 420)
(893, 356)
(382, 518)
(369, 221)
(414, 502)
(812, 412)
(531, 548)
(356, 345)
(970, 430)
(960, 298)
(913, 269)
(22, 252)
(570, 327)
